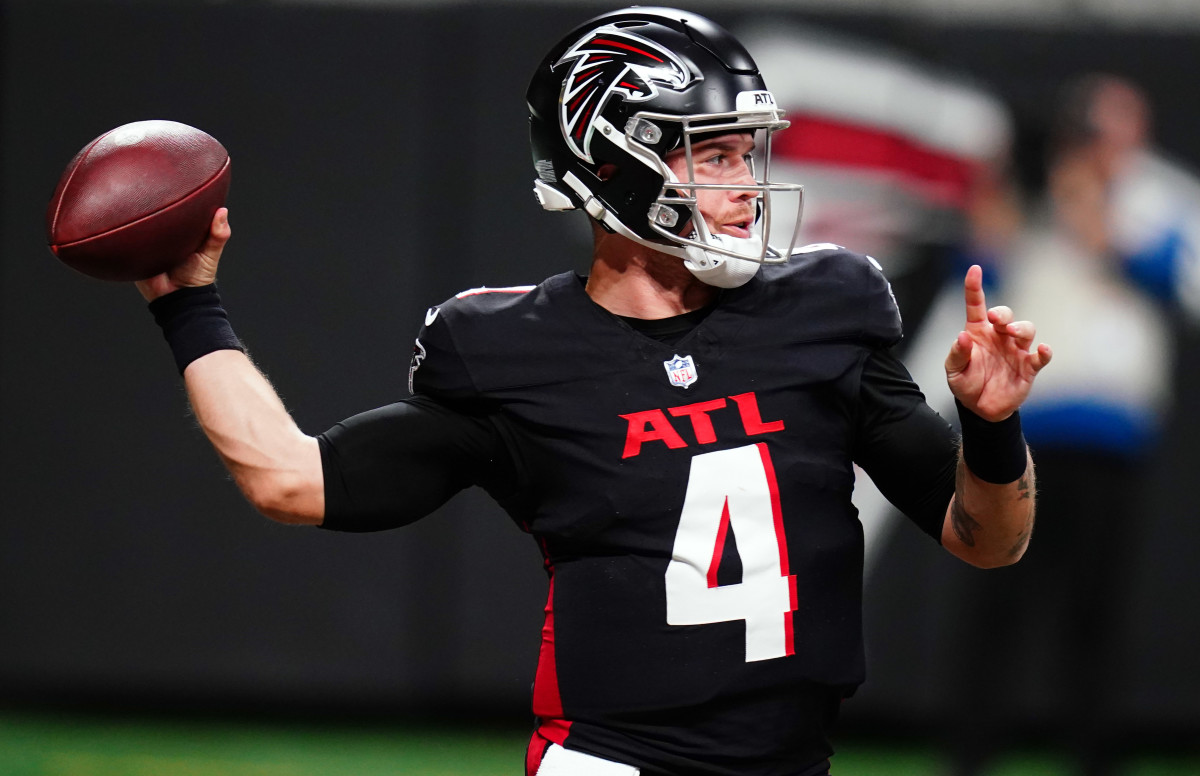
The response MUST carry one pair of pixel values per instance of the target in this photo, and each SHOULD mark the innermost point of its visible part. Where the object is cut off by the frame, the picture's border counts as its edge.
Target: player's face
(721, 159)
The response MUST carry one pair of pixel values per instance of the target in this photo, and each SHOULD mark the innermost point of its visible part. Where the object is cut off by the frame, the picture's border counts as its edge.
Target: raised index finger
(973, 294)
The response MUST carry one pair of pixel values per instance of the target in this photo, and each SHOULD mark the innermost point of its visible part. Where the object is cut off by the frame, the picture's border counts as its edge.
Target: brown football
(137, 200)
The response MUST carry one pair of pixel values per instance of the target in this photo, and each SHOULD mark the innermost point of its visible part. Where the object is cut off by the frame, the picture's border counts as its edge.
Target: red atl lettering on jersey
(751, 418)
(653, 425)
(701, 423)
(649, 426)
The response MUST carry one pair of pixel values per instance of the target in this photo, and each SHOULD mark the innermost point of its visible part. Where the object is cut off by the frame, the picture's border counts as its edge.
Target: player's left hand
(991, 368)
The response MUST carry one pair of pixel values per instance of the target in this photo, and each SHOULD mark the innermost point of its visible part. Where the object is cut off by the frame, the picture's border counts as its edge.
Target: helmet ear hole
(607, 171)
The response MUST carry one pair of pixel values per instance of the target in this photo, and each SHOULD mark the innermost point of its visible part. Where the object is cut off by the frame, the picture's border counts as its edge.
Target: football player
(677, 429)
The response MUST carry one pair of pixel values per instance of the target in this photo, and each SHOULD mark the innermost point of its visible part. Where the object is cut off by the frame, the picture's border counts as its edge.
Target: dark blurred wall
(380, 164)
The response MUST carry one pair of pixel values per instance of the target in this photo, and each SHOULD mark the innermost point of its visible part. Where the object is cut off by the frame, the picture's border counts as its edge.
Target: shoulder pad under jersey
(439, 367)
(835, 292)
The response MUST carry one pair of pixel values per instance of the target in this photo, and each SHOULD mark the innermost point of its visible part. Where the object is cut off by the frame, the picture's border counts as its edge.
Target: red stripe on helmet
(627, 47)
(580, 99)
(583, 123)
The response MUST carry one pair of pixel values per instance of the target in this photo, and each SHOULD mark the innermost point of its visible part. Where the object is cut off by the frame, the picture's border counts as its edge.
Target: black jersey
(692, 501)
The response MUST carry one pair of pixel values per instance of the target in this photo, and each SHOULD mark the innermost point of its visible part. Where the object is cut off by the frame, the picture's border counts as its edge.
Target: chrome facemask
(720, 259)
(717, 259)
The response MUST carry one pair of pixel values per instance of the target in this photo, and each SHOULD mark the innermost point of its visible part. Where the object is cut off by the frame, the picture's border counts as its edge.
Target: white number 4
(734, 490)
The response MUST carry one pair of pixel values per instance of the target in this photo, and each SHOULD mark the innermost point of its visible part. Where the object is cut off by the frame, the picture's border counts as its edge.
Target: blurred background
(381, 164)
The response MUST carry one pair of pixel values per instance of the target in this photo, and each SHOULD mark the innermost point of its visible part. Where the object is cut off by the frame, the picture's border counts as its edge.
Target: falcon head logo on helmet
(610, 61)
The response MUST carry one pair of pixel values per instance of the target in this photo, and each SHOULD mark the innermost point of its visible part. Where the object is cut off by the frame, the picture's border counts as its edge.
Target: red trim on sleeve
(486, 290)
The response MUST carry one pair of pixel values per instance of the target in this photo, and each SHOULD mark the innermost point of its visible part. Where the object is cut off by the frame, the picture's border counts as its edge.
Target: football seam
(70, 178)
(128, 224)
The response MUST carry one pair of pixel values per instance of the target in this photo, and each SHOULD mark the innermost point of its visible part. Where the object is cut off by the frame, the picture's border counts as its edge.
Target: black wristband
(993, 451)
(194, 323)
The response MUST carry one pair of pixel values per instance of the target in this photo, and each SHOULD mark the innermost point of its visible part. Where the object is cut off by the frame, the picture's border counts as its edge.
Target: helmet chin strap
(722, 271)
(709, 267)
(716, 269)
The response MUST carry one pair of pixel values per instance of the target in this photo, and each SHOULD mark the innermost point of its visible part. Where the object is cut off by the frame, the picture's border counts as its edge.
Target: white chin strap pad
(723, 271)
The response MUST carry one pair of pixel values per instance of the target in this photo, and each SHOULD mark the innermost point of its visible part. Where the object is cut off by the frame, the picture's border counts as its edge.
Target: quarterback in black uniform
(677, 429)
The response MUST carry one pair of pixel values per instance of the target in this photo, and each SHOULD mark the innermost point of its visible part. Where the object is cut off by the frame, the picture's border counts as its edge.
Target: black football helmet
(621, 91)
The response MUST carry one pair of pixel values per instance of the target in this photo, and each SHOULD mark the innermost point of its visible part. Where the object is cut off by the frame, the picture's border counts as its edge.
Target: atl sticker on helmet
(757, 100)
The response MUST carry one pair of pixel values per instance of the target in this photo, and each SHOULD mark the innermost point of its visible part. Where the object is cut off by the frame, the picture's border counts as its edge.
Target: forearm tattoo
(964, 525)
(1024, 491)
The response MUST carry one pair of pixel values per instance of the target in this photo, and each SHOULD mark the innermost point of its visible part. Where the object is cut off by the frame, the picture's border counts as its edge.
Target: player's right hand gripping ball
(137, 200)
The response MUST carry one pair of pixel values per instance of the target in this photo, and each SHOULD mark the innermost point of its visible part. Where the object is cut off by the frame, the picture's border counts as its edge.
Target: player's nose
(745, 177)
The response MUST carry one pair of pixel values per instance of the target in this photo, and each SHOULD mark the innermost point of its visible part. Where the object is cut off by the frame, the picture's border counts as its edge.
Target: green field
(82, 745)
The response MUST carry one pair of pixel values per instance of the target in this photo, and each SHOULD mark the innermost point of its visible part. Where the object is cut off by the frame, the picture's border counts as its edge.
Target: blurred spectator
(1108, 258)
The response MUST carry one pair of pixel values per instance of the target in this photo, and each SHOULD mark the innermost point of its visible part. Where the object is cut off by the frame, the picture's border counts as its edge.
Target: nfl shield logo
(681, 370)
